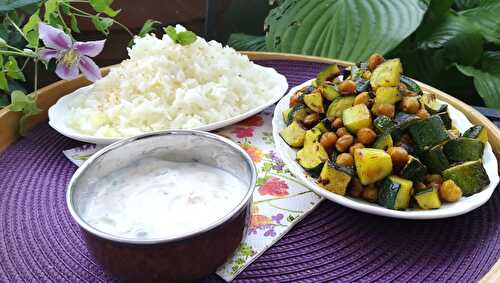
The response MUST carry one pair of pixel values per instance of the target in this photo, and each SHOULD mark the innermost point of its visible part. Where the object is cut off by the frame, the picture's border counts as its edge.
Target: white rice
(165, 85)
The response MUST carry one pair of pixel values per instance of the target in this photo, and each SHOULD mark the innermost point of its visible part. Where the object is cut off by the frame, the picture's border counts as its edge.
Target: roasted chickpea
(402, 87)
(387, 109)
(366, 75)
(311, 119)
(370, 103)
(449, 191)
(344, 142)
(410, 104)
(342, 132)
(337, 123)
(410, 94)
(355, 189)
(355, 146)
(370, 193)
(435, 185)
(366, 136)
(374, 61)
(422, 113)
(436, 178)
(347, 87)
(345, 159)
(328, 140)
(398, 155)
(362, 98)
(295, 100)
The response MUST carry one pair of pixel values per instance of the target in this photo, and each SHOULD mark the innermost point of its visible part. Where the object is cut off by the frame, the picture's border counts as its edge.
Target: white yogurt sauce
(155, 198)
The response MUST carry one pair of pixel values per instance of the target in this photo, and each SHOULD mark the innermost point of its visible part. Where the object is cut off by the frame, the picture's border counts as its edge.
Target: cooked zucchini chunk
(293, 134)
(285, 114)
(335, 178)
(463, 149)
(387, 74)
(338, 106)
(298, 113)
(357, 117)
(324, 125)
(428, 198)
(428, 132)
(432, 105)
(311, 157)
(372, 164)
(395, 193)
(383, 124)
(477, 132)
(435, 159)
(470, 176)
(445, 117)
(328, 74)
(389, 95)
(404, 120)
(414, 170)
(362, 85)
(329, 92)
(383, 142)
(411, 84)
(314, 101)
(312, 136)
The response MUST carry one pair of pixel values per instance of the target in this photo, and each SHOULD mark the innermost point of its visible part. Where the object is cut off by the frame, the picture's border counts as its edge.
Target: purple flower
(70, 55)
(278, 163)
(277, 218)
(270, 233)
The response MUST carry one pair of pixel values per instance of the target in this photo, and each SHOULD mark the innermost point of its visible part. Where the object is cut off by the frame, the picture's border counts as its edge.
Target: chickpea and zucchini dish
(369, 132)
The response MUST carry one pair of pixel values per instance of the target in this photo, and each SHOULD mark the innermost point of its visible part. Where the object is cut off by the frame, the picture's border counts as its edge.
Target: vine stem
(6, 52)
(16, 27)
(278, 198)
(87, 15)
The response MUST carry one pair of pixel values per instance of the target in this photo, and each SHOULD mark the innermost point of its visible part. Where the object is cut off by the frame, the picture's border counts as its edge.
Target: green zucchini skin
(338, 106)
(477, 132)
(445, 117)
(383, 124)
(470, 176)
(435, 159)
(404, 120)
(414, 170)
(298, 113)
(428, 133)
(411, 84)
(324, 125)
(293, 135)
(329, 92)
(388, 193)
(362, 85)
(463, 149)
(335, 177)
(327, 74)
(383, 142)
(314, 101)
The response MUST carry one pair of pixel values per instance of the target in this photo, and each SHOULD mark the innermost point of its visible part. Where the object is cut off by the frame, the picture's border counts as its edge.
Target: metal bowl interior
(178, 145)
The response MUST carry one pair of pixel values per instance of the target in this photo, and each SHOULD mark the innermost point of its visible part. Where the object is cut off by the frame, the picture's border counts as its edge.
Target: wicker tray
(40, 243)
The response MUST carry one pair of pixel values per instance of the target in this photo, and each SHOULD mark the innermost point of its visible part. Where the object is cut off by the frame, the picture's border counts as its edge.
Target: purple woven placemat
(40, 242)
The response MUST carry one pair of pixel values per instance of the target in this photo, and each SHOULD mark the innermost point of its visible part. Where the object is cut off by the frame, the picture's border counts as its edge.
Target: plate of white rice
(165, 85)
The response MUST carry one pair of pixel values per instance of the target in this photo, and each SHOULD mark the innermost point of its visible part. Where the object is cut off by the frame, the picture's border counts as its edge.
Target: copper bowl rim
(89, 162)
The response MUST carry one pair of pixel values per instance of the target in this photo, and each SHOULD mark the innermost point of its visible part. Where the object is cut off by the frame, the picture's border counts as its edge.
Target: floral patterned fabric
(279, 201)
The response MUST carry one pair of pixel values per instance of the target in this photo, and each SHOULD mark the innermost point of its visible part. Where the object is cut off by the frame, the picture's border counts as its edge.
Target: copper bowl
(185, 258)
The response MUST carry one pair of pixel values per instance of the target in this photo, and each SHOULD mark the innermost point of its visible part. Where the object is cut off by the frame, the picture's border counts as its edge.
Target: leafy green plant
(25, 23)
(441, 42)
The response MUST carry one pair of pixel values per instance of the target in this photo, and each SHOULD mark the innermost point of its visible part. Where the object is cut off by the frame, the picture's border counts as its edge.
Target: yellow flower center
(70, 57)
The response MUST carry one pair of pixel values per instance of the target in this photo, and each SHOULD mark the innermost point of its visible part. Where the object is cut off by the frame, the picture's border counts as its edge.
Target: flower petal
(89, 48)
(89, 69)
(54, 38)
(66, 72)
(46, 54)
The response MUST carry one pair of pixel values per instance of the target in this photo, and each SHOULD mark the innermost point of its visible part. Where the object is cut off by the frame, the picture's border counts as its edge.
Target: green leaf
(104, 6)
(487, 85)
(490, 62)
(486, 17)
(4, 101)
(50, 8)
(186, 37)
(10, 5)
(20, 102)
(13, 70)
(240, 41)
(349, 30)
(30, 30)
(149, 26)
(3, 79)
(465, 4)
(102, 24)
(74, 24)
(171, 32)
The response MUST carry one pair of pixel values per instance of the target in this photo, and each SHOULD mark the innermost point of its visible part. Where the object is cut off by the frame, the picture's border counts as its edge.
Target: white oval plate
(464, 205)
(59, 111)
